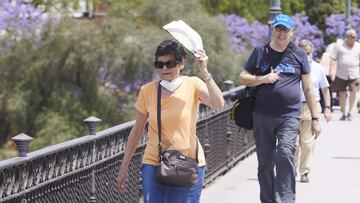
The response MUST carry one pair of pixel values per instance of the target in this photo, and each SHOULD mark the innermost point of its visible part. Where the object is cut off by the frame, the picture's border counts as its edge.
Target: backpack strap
(259, 57)
(291, 46)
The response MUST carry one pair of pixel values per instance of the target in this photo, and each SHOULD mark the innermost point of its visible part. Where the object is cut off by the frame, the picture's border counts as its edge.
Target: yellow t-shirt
(179, 114)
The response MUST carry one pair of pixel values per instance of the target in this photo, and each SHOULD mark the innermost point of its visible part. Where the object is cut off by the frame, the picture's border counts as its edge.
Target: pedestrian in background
(306, 142)
(329, 66)
(277, 109)
(347, 55)
(180, 100)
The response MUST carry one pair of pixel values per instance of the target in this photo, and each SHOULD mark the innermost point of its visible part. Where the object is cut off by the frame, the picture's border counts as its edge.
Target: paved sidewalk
(335, 175)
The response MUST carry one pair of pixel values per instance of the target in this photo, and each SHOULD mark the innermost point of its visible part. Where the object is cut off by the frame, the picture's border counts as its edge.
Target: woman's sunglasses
(169, 64)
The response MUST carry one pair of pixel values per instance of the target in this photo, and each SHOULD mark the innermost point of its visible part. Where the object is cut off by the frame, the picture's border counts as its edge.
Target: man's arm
(332, 69)
(327, 111)
(333, 62)
(311, 102)
(329, 64)
(250, 80)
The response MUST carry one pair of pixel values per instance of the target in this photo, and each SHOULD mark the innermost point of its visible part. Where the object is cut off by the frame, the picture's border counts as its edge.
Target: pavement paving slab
(334, 177)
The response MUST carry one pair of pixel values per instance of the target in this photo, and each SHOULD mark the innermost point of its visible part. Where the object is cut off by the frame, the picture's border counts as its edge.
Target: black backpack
(242, 110)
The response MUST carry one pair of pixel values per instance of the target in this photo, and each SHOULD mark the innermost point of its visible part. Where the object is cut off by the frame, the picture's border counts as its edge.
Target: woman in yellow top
(180, 99)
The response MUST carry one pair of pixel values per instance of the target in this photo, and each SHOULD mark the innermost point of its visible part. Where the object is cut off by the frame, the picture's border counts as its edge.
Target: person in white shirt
(329, 66)
(347, 55)
(306, 141)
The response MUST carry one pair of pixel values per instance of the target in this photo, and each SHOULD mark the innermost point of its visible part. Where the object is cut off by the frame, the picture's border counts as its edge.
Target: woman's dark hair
(171, 47)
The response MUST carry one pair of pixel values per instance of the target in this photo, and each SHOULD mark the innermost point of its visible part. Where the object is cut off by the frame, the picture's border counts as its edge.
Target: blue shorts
(155, 192)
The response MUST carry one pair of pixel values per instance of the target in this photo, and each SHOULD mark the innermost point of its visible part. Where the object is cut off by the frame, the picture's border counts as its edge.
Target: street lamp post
(274, 10)
(348, 14)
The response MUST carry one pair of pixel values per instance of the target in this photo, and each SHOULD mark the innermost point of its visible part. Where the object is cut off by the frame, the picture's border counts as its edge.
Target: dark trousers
(275, 140)
(322, 100)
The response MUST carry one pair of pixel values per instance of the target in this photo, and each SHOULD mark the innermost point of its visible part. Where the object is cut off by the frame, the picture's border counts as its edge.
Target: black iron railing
(85, 169)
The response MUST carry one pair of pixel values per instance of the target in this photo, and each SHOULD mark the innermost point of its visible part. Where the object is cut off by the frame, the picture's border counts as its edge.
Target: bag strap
(259, 57)
(158, 109)
(159, 120)
(286, 52)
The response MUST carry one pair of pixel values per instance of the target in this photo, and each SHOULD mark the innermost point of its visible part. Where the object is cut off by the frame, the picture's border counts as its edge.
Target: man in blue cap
(277, 108)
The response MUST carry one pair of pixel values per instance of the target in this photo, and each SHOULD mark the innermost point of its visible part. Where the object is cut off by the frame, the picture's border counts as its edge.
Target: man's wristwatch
(328, 107)
(315, 118)
(207, 77)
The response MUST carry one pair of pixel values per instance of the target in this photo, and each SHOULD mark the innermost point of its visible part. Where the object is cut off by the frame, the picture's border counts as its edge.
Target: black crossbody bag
(175, 168)
(242, 109)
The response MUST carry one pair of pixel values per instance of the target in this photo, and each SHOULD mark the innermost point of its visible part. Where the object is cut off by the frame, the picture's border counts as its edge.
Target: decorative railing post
(207, 144)
(22, 141)
(228, 84)
(92, 122)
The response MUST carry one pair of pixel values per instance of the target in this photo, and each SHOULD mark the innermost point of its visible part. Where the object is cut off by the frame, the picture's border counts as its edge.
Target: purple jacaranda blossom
(15, 15)
(104, 72)
(19, 21)
(355, 19)
(305, 30)
(120, 103)
(336, 25)
(243, 35)
(127, 88)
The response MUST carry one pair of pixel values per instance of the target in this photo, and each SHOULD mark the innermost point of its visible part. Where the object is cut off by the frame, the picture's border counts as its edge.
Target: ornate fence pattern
(84, 169)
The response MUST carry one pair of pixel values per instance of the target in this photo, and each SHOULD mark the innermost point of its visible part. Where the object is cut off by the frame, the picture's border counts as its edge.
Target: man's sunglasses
(169, 64)
(282, 29)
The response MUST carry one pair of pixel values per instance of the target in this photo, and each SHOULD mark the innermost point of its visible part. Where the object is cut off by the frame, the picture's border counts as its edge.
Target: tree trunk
(5, 123)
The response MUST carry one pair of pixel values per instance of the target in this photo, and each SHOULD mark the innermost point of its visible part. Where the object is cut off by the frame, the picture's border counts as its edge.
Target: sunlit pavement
(334, 177)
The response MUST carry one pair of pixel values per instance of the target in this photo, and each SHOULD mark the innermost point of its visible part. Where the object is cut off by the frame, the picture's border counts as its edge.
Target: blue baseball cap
(284, 20)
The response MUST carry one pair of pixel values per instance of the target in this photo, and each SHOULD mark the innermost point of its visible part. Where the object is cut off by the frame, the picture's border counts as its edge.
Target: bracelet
(315, 118)
(207, 77)
(328, 107)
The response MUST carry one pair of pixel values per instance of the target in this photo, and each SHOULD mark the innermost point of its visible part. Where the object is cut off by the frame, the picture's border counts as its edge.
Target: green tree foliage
(251, 9)
(223, 63)
(55, 83)
(292, 7)
(319, 10)
(58, 5)
(145, 32)
(79, 68)
(316, 10)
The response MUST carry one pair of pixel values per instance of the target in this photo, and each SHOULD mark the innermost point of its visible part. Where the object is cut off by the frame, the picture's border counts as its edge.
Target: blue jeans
(155, 192)
(275, 140)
